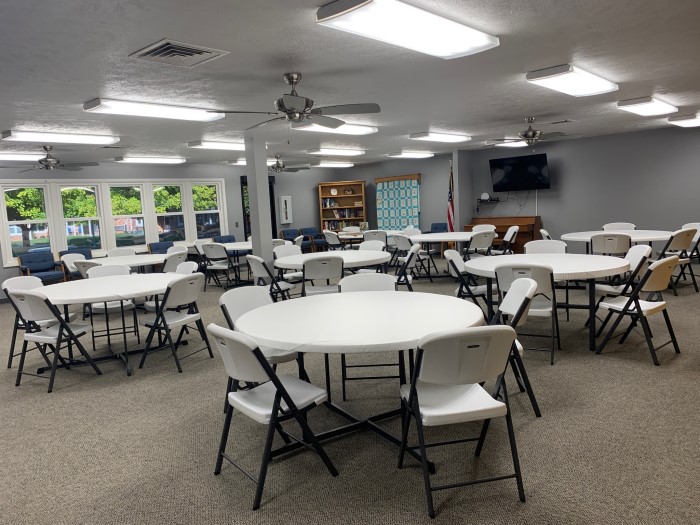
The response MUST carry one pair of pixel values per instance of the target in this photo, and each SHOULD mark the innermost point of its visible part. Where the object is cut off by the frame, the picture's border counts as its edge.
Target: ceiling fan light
(685, 121)
(646, 106)
(571, 80)
(432, 136)
(21, 157)
(405, 25)
(345, 129)
(514, 144)
(333, 164)
(242, 162)
(340, 152)
(58, 138)
(145, 109)
(150, 160)
(207, 144)
(405, 154)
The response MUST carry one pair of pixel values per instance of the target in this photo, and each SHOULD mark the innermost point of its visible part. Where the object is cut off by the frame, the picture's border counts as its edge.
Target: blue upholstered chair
(438, 227)
(40, 264)
(289, 234)
(223, 239)
(317, 239)
(87, 252)
(160, 247)
(69, 269)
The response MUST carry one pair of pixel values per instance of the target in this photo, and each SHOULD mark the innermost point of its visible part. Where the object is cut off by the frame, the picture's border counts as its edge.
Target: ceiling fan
(52, 163)
(297, 109)
(279, 166)
(532, 136)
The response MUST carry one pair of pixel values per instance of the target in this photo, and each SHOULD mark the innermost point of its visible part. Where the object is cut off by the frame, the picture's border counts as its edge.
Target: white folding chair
(278, 242)
(68, 262)
(409, 263)
(681, 244)
(375, 235)
(121, 252)
(373, 245)
(545, 234)
(262, 276)
(84, 266)
(654, 281)
(288, 250)
(550, 246)
(178, 248)
(173, 260)
(483, 228)
(695, 251)
(506, 246)
(611, 226)
(468, 287)
(321, 269)
(480, 243)
(187, 268)
(446, 390)
(614, 244)
(333, 240)
(351, 229)
(403, 246)
(220, 263)
(272, 401)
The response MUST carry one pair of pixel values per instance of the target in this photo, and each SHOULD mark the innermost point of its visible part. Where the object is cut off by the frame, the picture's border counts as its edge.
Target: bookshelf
(341, 204)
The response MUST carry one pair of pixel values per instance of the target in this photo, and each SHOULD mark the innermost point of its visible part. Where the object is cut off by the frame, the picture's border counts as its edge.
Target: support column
(463, 189)
(259, 197)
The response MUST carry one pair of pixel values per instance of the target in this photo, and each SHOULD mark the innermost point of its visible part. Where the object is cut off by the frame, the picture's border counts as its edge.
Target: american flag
(450, 204)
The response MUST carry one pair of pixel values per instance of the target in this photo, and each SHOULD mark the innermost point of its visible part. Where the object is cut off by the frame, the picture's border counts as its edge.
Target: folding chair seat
(271, 401)
(480, 244)
(446, 389)
(219, 263)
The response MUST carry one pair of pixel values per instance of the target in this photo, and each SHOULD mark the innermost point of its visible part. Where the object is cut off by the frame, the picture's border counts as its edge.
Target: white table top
(134, 261)
(635, 235)
(240, 245)
(112, 288)
(443, 237)
(348, 236)
(351, 259)
(382, 321)
(566, 266)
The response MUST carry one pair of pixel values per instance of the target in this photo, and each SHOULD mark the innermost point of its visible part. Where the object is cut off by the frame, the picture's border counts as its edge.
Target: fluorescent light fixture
(333, 164)
(405, 154)
(345, 129)
(686, 121)
(242, 162)
(516, 144)
(144, 109)
(21, 157)
(439, 137)
(151, 160)
(207, 144)
(406, 26)
(57, 138)
(336, 151)
(571, 80)
(646, 106)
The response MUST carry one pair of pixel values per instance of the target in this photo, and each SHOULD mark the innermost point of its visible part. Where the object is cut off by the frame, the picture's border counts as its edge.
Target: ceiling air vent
(177, 53)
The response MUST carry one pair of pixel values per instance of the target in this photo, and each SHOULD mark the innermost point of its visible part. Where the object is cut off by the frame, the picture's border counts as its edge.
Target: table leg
(591, 315)
(489, 299)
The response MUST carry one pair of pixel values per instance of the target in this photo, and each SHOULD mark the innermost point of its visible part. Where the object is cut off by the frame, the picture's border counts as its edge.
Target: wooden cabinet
(530, 226)
(341, 204)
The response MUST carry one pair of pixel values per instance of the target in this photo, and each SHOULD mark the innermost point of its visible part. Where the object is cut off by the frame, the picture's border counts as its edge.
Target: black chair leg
(265, 460)
(647, 333)
(224, 439)
(513, 447)
(424, 464)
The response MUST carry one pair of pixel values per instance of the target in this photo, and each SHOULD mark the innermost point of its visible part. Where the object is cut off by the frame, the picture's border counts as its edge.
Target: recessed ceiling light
(686, 121)
(405, 154)
(144, 109)
(345, 129)
(58, 138)
(21, 157)
(333, 164)
(514, 144)
(242, 162)
(336, 151)
(406, 26)
(646, 106)
(151, 160)
(207, 144)
(439, 137)
(571, 80)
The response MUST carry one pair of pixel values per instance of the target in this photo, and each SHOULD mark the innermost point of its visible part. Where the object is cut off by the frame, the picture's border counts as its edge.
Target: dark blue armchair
(41, 265)
(160, 247)
(318, 240)
(87, 252)
(438, 227)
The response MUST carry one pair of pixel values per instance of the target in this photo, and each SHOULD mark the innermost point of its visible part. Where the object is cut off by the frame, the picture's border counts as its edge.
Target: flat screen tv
(529, 172)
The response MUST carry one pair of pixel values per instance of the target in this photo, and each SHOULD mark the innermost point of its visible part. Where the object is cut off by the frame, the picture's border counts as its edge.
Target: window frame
(217, 210)
(63, 236)
(11, 260)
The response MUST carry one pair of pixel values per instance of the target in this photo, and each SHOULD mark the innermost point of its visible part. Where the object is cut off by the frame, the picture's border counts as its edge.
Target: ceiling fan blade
(77, 164)
(326, 122)
(504, 140)
(299, 167)
(68, 168)
(32, 169)
(558, 136)
(347, 109)
(13, 167)
(263, 123)
(235, 112)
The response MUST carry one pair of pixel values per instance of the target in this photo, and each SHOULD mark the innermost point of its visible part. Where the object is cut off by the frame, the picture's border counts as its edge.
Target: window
(81, 219)
(206, 210)
(27, 223)
(127, 213)
(168, 204)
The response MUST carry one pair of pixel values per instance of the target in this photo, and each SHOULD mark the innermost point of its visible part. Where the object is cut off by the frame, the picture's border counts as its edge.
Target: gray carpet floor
(617, 442)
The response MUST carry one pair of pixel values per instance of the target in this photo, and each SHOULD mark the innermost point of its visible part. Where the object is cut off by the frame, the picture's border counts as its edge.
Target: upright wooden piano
(530, 226)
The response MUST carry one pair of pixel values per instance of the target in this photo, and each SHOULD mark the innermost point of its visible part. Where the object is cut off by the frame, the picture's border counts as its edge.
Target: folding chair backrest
(696, 226)
(23, 282)
(465, 356)
(173, 260)
(659, 274)
(545, 246)
(238, 301)
(299, 240)
(330, 267)
(402, 242)
(84, 266)
(516, 303)
(637, 255)
(351, 229)
(375, 235)
(178, 248)
(376, 245)
(108, 270)
(187, 268)
(184, 290)
(286, 250)
(215, 251)
(619, 226)
(483, 228)
(259, 269)
(511, 233)
(278, 242)
(331, 238)
(610, 243)
(199, 244)
(31, 305)
(508, 273)
(682, 240)
(121, 252)
(454, 262)
(482, 240)
(412, 257)
(368, 282)
(411, 230)
(545, 234)
(236, 351)
(69, 259)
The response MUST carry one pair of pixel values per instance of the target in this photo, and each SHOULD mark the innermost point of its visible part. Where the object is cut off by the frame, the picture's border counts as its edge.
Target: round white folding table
(387, 321)
(133, 261)
(565, 267)
(646, 236)
(105, 289)
(351, 259)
